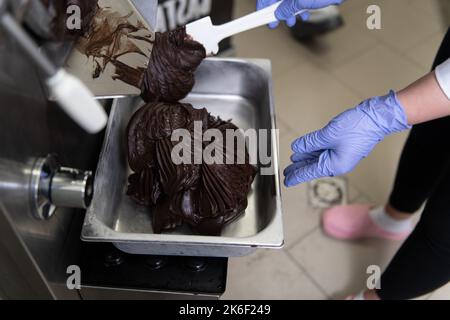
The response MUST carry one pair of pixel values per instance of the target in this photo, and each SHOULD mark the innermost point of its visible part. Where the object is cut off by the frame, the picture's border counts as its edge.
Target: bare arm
(424, 100)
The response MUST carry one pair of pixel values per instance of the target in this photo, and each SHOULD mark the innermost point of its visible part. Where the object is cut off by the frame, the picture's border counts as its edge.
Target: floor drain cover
(327, 192)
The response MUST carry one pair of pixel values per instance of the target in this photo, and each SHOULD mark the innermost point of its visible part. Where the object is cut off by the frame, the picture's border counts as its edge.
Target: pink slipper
(359, 296)
(353, 222)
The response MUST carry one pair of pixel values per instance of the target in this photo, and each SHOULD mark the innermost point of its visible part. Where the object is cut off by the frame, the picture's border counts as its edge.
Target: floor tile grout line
(307, 274)
(404, 55)
(290, 68)
(420, 44)
(359, 53)
(303, 237)
(359, 94)
(361, 193)
(379, 42)
(416, 43)
(414, 4)
(332, 75)
(352, 56)
(429, 14)
(331, 72)
(356, 54)
(287, 126)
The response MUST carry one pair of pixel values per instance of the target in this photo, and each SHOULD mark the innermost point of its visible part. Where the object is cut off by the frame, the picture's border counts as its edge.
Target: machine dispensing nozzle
(53, 186)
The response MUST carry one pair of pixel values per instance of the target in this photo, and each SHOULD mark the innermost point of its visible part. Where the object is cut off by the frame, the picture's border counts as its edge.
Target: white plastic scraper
(209, 35)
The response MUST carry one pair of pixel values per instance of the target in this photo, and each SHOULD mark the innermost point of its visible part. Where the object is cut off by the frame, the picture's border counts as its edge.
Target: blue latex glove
(289, 8)
(346, 140)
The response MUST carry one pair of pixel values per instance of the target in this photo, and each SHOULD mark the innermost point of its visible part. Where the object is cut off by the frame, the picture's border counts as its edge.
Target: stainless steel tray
(240, 90)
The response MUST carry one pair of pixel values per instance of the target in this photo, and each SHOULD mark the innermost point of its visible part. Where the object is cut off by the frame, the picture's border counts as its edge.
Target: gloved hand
(346, 140)
(287, 10)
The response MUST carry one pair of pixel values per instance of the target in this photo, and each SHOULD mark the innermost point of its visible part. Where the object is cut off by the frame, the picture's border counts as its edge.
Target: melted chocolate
(170, 74)
(173, 61)
(110, 37)
(205, 196)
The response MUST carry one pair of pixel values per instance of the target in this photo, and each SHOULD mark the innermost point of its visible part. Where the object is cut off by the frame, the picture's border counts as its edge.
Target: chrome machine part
(41, 174)
(72, 188)
(35, 253)
(52, 186)
(26, 43)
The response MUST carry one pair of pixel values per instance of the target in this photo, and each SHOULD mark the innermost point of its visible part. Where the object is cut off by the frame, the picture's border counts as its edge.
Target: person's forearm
(424, 100)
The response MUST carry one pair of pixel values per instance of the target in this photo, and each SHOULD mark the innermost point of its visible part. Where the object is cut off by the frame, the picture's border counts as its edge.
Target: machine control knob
(114, 259)
(156, 262)
(196, 264)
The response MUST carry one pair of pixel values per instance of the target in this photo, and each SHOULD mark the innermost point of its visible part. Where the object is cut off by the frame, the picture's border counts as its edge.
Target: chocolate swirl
(205, 196)
(174, 59)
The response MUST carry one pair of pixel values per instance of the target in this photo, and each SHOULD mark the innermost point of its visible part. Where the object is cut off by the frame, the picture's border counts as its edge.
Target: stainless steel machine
(51, 172)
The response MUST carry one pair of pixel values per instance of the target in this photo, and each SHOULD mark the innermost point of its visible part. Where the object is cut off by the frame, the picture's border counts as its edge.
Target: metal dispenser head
(53, 186)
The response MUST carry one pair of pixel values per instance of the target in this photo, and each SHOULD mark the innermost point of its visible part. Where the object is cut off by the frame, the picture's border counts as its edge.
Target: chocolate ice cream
(205, 196)
(174, 59)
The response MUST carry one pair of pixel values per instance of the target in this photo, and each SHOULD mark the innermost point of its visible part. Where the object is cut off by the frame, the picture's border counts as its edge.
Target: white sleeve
(443, 77)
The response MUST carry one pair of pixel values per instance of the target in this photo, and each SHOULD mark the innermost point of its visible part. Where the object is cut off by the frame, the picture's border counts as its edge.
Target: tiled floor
(311, 85)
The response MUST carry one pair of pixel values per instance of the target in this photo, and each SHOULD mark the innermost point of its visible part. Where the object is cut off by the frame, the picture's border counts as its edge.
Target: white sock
(387, 223)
